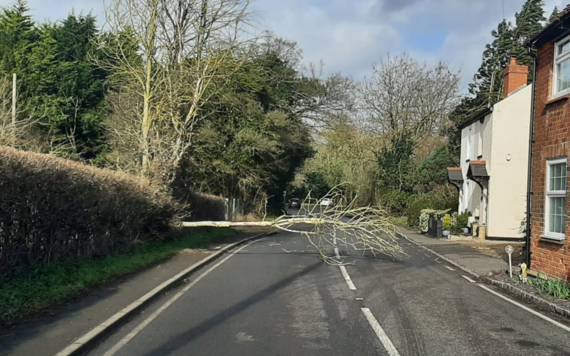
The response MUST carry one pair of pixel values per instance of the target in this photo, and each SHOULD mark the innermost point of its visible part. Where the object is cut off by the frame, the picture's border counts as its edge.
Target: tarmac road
(276, 297)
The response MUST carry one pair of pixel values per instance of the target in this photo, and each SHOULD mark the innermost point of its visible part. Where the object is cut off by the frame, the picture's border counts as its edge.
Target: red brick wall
(552, 140)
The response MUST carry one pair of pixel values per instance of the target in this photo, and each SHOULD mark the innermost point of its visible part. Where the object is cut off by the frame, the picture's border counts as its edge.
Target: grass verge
(28, 290)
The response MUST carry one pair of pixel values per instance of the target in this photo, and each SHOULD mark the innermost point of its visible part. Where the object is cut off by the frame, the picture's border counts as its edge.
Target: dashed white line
(384, 339)
(336, 252)
(347, 278)
(343, 270)
(449, 268)
(467, 278)
(154, 315)
(526, 308)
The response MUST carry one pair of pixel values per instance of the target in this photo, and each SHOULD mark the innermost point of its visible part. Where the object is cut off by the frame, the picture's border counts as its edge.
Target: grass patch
(30, 289)
(554, 287)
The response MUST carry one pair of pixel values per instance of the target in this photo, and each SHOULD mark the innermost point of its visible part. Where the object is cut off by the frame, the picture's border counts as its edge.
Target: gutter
(530, 149)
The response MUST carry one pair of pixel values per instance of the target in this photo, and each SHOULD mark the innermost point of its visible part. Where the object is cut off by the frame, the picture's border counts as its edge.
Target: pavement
(276, 297)
(56, 328)
(468, 257)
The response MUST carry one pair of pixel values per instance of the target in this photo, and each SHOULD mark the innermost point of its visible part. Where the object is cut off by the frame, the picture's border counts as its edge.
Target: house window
(555, 224)
(562, 67)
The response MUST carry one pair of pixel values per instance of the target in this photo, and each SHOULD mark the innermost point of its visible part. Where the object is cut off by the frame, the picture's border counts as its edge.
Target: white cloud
(351, 35)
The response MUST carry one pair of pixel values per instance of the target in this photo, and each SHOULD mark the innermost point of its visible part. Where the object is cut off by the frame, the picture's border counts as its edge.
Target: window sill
(557, 99)
(553, 240)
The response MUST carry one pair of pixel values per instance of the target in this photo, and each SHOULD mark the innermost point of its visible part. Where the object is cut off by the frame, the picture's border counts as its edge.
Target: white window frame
(558, 58)
(553, 194)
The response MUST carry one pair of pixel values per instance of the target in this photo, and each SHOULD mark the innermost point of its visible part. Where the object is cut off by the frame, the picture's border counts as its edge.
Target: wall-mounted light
(509, 157)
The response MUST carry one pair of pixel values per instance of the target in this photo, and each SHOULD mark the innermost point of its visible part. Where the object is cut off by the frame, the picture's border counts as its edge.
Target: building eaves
(554, 29)
(476, 117)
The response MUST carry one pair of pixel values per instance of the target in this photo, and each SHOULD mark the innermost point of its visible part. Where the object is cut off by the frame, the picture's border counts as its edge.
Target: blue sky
(350, 35)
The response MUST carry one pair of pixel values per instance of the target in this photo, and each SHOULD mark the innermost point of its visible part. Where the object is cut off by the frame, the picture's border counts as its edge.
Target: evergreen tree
(554, 14)
(529, 22)
(18, 35)
(487, 86)
(79, 85)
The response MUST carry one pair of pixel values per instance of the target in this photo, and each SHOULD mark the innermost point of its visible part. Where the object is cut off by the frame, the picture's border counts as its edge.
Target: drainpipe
(530, 149)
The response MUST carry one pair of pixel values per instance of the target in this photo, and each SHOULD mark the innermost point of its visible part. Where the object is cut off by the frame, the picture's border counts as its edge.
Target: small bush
(446, 222)
(415, 206)
(461, 222)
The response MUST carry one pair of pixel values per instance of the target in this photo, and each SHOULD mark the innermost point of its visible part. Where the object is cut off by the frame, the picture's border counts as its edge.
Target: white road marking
(437, 260)
(526, 308)
(384, 339)
(467, 278)
(336, 252)
(154, 315)
(347, 278)
(449, 268)
(343, 270)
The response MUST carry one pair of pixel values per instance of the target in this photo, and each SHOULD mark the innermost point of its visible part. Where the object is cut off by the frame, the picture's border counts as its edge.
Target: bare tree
(406, 97)
(172, 54)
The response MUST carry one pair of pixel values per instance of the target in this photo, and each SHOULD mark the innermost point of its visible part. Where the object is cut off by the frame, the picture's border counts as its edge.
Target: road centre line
(449, 268)
(526, 308)
(467, 278)
(347, 278)
(112, 351)
(343, 270)
(384, 339)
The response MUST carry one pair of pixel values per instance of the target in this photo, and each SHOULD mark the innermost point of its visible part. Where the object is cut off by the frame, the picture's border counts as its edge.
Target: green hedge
(53, 210)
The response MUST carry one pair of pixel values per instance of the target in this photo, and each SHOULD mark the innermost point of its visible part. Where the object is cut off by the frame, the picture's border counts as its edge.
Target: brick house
(549, 229)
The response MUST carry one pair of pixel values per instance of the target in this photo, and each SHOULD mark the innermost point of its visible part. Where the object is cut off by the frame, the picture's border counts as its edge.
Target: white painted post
(509, 250)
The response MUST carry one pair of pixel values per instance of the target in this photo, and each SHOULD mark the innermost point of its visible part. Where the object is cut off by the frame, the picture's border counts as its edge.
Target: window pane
(557, 216)
(564, 75)
(564, 47)
(557, 177)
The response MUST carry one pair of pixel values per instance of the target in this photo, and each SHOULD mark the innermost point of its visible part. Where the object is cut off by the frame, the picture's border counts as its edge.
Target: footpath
(488, 269)
(58, 328)
(466, 256)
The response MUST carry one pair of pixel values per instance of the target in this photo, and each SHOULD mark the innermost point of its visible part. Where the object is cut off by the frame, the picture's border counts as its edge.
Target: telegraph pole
(14, 99)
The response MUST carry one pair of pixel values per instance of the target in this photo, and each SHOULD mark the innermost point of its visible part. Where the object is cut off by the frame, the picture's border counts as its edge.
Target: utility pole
(14, 99)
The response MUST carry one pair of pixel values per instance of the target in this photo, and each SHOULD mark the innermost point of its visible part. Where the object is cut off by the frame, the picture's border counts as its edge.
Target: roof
(476, 117)
(553, 29)
(477, 169)
(454, 174)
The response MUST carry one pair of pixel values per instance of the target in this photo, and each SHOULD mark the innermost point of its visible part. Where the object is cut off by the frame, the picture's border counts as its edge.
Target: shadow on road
(184, 338)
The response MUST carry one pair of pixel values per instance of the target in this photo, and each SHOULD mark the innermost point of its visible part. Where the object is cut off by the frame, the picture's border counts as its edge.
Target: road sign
(509, 249)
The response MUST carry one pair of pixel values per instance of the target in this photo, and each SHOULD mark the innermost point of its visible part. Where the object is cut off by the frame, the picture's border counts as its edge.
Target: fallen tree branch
(366, 229)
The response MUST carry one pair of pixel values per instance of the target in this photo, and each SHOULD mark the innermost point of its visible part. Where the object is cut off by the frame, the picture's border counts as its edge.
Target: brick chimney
(514, 77)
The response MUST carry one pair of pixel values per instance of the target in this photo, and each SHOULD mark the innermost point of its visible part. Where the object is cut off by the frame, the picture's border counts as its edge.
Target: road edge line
(554, 308)
(100, 332)
(505, 286)
(464, 269)
(543, 317)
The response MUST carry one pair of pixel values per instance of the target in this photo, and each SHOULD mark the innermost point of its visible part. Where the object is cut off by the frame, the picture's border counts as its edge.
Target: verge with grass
(30, 289)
